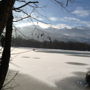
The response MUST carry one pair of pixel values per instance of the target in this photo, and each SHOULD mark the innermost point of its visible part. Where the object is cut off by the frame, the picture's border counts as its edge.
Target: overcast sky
(77, 13)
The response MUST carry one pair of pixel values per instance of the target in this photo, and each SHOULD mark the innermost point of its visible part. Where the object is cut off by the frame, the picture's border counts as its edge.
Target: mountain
(75, 34)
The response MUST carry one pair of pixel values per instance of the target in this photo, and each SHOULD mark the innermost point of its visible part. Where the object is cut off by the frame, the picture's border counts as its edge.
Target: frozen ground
(45, 69)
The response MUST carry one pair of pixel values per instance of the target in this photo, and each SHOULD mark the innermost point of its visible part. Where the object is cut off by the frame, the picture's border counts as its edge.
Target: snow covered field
(45, 69)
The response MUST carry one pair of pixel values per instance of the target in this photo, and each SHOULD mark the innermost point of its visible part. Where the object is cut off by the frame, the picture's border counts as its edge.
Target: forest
(55, 44)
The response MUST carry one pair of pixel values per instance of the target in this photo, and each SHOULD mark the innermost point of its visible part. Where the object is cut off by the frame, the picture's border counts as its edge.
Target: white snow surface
(48, 69)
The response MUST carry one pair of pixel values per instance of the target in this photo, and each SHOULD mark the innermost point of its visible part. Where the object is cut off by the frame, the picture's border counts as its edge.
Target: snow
(48, 69)
(74, 34)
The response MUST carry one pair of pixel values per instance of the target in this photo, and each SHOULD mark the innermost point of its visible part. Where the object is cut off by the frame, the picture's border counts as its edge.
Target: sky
(77, 13)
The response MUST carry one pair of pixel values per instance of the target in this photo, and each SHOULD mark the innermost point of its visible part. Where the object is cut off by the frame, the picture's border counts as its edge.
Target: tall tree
(6, 20)
(6, 52)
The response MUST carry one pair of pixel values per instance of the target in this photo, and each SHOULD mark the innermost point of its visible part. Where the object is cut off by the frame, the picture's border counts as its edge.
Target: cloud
(43, 25)
(81, 12)
(53, 18)
(77, 21)
(86, 23)
(71, 19)
(60, 26)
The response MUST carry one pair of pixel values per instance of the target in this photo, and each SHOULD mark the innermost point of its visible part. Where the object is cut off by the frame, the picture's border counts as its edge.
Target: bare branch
(21, 1)
(11, 80)
(67, 2)
(25, 4)
(22, 18)
(32, 18)
(62, 4)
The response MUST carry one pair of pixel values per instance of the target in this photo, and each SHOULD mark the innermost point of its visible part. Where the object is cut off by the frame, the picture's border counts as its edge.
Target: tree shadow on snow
(76, 63)
(25, 82)
(76, 82)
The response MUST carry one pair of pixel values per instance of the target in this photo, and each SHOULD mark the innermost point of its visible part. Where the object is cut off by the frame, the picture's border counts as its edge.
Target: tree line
(55, 44)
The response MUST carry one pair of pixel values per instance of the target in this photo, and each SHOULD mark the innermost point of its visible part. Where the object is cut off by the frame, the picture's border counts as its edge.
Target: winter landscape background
(51, 69)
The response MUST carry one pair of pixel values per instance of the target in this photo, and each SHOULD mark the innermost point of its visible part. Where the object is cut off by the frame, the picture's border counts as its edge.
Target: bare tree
(6, 20)
(5, 15)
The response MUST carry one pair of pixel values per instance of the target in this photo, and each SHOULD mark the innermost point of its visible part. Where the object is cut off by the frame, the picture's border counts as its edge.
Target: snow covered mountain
(75, 34)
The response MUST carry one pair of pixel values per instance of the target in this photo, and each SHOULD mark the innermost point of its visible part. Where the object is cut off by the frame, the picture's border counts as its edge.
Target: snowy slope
(80, 34)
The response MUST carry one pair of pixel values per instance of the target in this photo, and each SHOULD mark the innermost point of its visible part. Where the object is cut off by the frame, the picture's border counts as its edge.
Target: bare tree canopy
(6, 21)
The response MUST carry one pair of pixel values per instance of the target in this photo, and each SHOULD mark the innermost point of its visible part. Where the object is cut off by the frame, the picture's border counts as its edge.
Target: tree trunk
(5, 9)
(6, 52)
